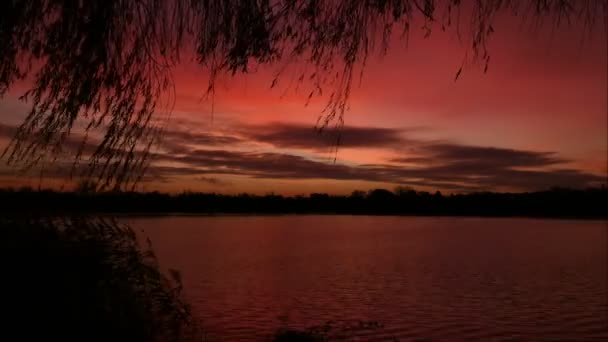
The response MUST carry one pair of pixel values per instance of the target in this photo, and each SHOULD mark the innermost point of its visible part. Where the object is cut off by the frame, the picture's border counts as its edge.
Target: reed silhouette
(86, 279)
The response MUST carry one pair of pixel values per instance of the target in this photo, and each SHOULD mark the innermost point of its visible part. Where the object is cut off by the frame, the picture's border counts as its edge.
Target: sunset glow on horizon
(536, 119)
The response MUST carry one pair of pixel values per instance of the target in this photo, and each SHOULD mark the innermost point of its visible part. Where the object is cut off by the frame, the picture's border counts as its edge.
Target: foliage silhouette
(106, 64)
(564, 203)
(86, 279)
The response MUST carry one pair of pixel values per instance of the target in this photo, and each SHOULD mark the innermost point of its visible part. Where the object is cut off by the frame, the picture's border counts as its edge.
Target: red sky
(537, 118)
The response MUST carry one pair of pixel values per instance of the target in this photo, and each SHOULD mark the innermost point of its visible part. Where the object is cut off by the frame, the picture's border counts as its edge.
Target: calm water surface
(437, 278)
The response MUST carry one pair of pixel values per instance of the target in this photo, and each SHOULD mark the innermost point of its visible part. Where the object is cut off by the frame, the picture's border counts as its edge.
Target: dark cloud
(492, 177)
(262, 165)
(177, 141)
(477, 156)
(414, 160)
(213, 181)
(455, 175)
(307, 137)
(72, 144)
(490, 167)
(452, 167)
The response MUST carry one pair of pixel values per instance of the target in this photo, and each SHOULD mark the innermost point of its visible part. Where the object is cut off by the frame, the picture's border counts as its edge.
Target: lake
(420, 277)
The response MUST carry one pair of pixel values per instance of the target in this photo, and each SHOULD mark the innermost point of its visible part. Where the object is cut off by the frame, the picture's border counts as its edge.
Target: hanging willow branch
(106, 64)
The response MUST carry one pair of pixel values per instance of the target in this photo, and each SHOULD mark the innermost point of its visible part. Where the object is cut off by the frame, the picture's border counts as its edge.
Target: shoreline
(272, 214)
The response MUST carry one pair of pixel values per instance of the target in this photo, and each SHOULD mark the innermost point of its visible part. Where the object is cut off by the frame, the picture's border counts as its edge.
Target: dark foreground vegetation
(85, 279)
(567, 203)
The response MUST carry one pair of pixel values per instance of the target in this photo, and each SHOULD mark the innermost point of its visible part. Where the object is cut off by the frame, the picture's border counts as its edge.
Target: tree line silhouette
(557, 202)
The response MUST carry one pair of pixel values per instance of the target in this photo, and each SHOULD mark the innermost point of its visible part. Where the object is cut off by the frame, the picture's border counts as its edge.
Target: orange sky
(536, 119)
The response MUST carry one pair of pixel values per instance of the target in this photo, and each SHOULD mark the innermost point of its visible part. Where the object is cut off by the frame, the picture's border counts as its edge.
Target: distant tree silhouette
(85, 187)
(557, 202)
(107, 63)
(403, 191)
(358, 194)
(380, 195)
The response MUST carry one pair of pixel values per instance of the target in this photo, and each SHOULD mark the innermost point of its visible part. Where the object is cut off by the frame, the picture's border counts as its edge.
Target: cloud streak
(307, 137)
(200, 157)
(442, 165)
(482, 157)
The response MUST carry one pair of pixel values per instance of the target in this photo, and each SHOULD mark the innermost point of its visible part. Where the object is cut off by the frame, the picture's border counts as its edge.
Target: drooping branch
(104, 66)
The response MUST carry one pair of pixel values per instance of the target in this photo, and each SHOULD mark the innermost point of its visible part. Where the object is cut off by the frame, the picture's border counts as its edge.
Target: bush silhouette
(84, 279)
